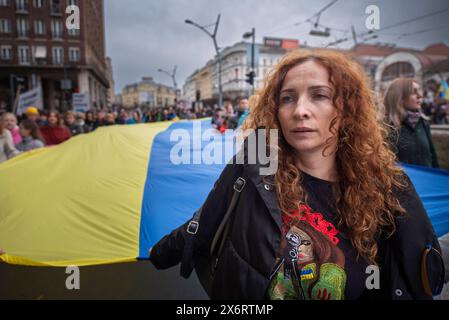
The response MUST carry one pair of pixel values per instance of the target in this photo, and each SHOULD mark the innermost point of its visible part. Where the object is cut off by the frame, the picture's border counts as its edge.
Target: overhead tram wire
(373, 32)
(318, 13)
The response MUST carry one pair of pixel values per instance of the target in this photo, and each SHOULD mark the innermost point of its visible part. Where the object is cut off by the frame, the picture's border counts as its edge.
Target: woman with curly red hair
(337, 203)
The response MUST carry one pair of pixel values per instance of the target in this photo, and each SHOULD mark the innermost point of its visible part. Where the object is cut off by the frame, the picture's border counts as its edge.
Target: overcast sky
(145, 35)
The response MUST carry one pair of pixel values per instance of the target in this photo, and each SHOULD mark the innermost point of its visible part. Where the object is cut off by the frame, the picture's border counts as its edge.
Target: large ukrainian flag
(108, 196)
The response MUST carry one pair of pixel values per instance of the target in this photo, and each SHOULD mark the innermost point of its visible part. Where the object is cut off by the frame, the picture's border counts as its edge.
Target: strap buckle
(239, 184)
(193, 226)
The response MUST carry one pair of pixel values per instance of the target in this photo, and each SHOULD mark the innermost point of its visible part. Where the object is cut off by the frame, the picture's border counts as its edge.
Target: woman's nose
(302, 109)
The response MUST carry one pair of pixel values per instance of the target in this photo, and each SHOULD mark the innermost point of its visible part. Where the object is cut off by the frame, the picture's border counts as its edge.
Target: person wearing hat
(32, 113)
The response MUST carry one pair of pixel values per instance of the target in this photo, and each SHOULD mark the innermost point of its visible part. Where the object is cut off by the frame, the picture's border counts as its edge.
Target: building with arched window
(384, 63)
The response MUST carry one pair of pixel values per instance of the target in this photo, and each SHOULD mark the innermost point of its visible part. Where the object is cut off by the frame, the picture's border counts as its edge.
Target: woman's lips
(302, 130)
(303, 133)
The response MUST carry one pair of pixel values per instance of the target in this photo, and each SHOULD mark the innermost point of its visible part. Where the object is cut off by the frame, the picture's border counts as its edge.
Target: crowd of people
(37, 128)
(229, 118)
(435, 108)
(410, 118)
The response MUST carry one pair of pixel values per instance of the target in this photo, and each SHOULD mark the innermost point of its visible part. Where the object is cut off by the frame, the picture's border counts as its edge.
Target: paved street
(138, 280)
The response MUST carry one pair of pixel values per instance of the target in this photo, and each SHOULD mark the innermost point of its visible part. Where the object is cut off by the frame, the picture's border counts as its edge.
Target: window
(55, 7)
(74, 54)
(56, 29)
(40, 55)
(5, 26)
(6, 52)
(22, 5)
(38, 3)
(58, 55)
(73, 2)
(22, 27)
(39, 27)
(397, 70)
(24, 55)
(4, 3)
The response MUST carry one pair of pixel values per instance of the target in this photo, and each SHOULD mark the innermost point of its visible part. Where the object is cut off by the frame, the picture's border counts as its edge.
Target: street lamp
(172, 75)
(251, 75)
(217, 50)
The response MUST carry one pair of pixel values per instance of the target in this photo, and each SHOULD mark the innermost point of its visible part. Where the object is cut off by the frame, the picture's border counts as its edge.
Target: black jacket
(413, 145)
(246, 264)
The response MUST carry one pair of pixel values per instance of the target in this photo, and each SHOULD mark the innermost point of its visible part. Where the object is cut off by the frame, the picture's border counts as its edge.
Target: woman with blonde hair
(7, 148)
(10, 123)
(410, 136)
(337, 175)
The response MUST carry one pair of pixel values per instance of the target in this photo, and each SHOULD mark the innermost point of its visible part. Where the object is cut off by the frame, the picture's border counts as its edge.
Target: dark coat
(245, 267)
(413, 145)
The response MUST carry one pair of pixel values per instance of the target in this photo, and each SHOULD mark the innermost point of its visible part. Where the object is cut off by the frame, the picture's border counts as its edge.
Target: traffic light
(250, 77)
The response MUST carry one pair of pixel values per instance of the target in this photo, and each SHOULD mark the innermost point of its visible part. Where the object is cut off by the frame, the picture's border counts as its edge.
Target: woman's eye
(286, 99)
(321, 97)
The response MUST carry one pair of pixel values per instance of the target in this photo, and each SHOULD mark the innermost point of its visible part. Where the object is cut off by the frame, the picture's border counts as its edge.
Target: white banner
(32, 98)
(81, 102)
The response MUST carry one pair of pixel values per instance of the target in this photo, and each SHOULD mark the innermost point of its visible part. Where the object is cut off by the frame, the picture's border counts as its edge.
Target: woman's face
(415, 100)
(306, 108)
(305, 248)
(10, 122)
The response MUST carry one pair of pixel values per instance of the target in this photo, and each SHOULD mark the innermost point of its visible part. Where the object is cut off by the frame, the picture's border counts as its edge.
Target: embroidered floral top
(316, 260)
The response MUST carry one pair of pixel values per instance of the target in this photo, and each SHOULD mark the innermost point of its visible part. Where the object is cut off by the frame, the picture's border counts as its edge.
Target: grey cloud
(144, 35)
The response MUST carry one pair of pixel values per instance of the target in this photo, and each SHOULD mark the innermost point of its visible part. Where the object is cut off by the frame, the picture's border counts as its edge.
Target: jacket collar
(264, 185)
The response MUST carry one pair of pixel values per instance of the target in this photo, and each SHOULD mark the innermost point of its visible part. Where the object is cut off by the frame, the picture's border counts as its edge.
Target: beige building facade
(148, 93)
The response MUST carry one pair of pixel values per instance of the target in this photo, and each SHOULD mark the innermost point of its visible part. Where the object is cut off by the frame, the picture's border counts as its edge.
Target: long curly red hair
(366, 167)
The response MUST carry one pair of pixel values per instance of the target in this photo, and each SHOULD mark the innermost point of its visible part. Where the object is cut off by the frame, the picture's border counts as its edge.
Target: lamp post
(217, 50)
(252, 74)
(172, 75)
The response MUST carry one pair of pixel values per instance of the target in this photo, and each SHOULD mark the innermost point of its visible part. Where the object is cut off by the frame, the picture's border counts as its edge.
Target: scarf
(413, 117)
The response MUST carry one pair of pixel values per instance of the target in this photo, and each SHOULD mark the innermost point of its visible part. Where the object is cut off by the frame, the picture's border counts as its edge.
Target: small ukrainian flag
(444, 90)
